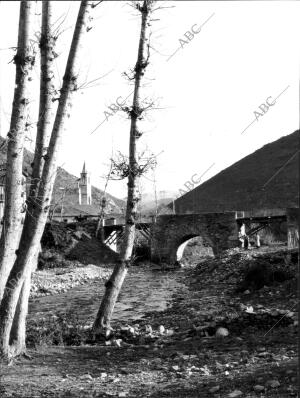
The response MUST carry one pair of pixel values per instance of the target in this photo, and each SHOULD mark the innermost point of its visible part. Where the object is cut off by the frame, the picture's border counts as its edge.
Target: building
(85, 187)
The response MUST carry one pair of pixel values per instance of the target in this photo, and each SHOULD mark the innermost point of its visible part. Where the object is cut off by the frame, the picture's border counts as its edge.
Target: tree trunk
(36, 216)
(47, 88)
(24, 60)
(18, 331)
(113, 286)
(47, 44)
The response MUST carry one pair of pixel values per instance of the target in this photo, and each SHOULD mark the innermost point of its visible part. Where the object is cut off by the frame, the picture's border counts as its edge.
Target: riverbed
(144, 290)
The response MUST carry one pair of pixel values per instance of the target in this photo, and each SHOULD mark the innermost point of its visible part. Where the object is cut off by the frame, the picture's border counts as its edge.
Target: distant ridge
(267, 178)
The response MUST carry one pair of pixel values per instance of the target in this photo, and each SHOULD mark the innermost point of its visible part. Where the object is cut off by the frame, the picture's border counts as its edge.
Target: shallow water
(143, 291)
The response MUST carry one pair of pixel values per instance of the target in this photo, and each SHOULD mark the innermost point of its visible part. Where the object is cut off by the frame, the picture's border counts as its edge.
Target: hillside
(67, 181)
(267, 178)
(150, 207)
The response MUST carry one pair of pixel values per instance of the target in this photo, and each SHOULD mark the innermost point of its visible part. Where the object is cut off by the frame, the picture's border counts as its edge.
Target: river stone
(235, 393)
(161, 329)
(273, 383)
(290, 314)
(131, 330)
(258, 388)
(148, 329)
(214, 389)
(222, 332)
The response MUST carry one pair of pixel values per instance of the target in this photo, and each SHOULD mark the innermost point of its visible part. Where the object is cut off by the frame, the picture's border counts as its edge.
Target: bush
(59, 329)
(262, 274)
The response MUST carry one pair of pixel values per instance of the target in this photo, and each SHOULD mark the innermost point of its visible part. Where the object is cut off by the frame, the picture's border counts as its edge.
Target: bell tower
(85, 187)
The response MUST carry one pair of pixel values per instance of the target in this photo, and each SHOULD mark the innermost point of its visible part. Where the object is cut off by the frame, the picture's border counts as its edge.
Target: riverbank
(61, 279)
(180, 351)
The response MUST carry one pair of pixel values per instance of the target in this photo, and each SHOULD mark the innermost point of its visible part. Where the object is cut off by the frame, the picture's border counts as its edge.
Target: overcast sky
(245, 54)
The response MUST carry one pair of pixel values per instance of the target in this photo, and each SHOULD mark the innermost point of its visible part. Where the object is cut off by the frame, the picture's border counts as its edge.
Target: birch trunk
(114, 284)
(24, 61)
(47, 44)
(36, 216)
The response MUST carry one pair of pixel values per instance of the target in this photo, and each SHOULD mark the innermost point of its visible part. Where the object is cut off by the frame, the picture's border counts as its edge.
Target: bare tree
(45, 121)
(24, 61)
(114, 284)
(38, 209)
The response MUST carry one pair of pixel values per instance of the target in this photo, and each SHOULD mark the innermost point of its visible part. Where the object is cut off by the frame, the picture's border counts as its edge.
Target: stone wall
(218, 230)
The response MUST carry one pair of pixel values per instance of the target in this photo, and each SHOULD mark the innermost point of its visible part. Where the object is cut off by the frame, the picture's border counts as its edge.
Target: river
(144, 290)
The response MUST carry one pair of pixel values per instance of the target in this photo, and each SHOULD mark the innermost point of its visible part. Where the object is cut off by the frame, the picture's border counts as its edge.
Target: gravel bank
(59, 280)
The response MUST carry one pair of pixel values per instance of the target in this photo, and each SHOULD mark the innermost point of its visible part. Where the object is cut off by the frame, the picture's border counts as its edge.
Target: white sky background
(208, 91)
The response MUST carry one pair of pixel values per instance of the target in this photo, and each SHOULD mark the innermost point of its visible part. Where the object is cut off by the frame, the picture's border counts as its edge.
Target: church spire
(85, 187)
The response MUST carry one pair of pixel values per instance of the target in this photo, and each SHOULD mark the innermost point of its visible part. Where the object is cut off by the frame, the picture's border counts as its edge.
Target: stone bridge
(218, 230)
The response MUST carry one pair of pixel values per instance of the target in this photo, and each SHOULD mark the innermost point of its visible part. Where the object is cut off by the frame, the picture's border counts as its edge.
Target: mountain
(148, 202)
(69, 183)
(267, 178)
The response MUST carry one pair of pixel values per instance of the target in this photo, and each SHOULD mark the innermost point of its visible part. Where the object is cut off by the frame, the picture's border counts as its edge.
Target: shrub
(59, 329)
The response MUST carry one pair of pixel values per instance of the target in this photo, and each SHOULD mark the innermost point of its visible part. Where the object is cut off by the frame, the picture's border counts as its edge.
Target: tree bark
(47, 88)
(24, 60)
(36, 216)
(113, 286)
(47, 44)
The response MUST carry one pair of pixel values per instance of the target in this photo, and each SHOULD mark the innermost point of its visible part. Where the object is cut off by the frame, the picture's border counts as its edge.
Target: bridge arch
(219, 230)
(186, 240)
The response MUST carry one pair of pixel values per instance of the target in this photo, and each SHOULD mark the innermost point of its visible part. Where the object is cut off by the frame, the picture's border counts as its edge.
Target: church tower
(85, 187)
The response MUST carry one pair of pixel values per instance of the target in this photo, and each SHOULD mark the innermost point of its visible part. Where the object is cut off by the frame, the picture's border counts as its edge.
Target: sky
(224, 77)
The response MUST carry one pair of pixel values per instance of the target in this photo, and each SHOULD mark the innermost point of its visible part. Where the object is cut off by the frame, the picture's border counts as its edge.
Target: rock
(263, 354)
(161, 329)
(169, 332)
(290, 314)
(148, 329)
(235, 393)
(274, 313)
(247, 291)
(214, 389)
(258, 388)
(261, 349)
(273, 383)
(175, 367)
(117, 342)
(222, 332)
(86, 377)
